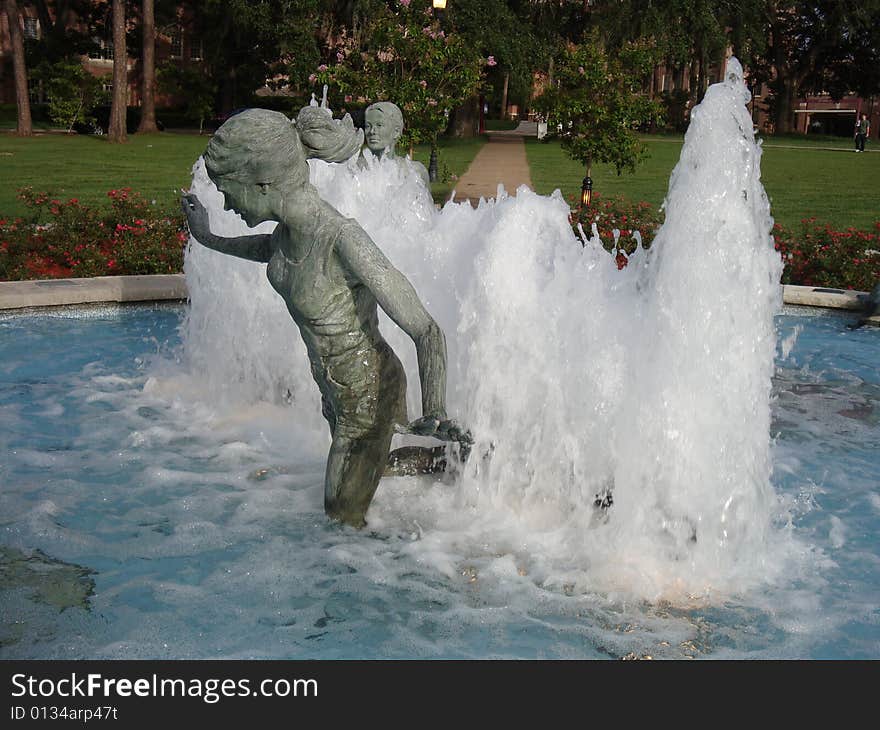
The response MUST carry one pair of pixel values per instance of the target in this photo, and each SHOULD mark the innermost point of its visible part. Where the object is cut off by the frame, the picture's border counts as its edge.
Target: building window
(196, 50)
(177, 43)
(31, 29)
(103, 50)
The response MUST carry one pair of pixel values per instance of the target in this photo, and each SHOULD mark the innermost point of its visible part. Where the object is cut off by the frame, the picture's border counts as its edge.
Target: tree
(816, 46)
(67, 27)
(506, 31)
(24, 127)
(190, 84)
(119, 105)
(688, 35)
(148, 68)
(249, 43)
(594, 104)
(411, 61)
(72, 91)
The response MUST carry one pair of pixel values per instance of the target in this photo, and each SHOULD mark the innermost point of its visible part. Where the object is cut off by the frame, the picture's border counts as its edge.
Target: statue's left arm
(363, 259)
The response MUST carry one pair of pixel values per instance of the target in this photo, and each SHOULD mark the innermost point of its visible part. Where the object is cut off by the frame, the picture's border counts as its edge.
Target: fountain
(652, 384)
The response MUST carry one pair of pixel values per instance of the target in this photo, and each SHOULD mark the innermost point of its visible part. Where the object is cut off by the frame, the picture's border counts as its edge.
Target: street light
(586, 190)
(432, 164)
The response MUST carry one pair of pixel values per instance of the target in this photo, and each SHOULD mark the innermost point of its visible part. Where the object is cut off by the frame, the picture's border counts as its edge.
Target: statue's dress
(362, 382)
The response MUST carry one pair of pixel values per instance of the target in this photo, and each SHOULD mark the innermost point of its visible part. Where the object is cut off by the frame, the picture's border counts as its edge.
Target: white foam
(574, 376)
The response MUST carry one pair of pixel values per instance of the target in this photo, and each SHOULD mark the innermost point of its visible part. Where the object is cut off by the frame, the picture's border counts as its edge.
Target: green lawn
(155, 165)
(86, 167)
(838, 186)
(455, 157)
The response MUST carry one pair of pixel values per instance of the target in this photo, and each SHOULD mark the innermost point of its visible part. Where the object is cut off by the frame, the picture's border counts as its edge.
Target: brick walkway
(501, 160)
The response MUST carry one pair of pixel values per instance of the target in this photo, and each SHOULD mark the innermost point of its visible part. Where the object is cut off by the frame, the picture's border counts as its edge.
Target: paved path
(501, 160)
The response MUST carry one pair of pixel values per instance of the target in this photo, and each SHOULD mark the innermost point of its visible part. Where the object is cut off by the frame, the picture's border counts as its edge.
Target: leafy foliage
(129, 237)
(818, 255)
(617, 213)
(72, 92)
(411, 61)
(189, 83)
(594, 104)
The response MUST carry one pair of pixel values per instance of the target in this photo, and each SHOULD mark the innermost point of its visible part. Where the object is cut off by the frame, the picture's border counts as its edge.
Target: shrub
(619, 213)
(66, 239)
(818, 255)
(814, 255)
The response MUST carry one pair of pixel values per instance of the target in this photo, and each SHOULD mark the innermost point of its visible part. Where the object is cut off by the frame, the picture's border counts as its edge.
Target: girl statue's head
(263, 147)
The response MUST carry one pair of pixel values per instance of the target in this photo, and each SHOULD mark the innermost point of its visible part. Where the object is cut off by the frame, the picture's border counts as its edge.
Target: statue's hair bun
(325, 138)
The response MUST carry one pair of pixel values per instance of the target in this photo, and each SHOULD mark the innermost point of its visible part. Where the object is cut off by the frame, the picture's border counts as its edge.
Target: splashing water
(651, 383)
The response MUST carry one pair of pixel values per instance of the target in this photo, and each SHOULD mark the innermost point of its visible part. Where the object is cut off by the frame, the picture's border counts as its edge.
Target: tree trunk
(148, 60)
(786, 93)
(504, 96)
(117, 131)
(466, 119)
(22, 100)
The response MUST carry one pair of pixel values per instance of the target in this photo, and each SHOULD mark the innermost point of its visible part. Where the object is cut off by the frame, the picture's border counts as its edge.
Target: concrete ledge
(62, 292)
(817, 296)
(162, 287)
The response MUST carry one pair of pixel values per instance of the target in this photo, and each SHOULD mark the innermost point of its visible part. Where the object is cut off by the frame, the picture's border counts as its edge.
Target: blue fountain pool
(139, 520)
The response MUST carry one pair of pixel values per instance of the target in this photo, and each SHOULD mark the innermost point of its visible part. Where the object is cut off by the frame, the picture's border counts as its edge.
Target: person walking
(863, 128)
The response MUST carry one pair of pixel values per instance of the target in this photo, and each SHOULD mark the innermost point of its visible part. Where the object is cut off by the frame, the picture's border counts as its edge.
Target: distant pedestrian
(863, 128)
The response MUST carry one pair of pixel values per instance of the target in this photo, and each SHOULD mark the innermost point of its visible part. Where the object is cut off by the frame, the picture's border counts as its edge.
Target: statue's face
(380, 132)
(250, 200)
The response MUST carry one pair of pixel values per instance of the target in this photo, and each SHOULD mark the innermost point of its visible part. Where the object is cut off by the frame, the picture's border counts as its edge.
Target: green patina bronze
(383, 125)
(331, 275)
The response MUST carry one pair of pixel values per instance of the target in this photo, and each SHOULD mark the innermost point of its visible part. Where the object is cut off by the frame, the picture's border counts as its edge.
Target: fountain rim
(48, 293)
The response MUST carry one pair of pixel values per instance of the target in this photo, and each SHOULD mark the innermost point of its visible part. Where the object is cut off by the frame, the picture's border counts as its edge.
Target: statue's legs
(354, 468)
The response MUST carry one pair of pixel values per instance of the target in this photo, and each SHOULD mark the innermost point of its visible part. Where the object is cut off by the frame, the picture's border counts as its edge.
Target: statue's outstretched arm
(253, 248)
(397, 297)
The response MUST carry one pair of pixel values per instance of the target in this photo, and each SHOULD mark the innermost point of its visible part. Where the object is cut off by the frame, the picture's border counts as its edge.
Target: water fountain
(653, 382)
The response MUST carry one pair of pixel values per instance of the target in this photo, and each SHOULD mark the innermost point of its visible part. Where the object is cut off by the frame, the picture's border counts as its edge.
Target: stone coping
(817, 296)
(161, 287)
(65, 292)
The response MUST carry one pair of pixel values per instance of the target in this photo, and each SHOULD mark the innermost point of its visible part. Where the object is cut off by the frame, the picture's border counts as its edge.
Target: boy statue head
(383, 125)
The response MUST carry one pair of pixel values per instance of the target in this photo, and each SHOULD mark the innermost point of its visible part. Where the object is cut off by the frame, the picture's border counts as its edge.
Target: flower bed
(63, 238)
(814, 254)
(817, 255)
(66, 239)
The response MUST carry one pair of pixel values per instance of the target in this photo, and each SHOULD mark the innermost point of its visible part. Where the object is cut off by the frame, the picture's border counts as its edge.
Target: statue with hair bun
(331, 276)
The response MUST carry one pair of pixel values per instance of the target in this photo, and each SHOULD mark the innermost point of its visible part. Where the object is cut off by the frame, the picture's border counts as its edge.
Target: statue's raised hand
(196, 216)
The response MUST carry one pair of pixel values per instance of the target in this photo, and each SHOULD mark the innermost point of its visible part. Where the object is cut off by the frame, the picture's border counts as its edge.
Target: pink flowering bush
(411, 61)
(63, 238)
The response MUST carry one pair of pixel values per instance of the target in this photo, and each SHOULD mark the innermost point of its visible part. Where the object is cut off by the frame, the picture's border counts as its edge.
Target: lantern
(586, 190)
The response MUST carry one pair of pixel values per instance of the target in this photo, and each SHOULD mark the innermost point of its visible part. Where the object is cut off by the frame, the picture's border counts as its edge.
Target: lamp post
(586, 191)
(439, 7)
(432, 163)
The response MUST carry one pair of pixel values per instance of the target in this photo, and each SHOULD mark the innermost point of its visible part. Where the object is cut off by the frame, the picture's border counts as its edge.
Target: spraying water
(650, 384)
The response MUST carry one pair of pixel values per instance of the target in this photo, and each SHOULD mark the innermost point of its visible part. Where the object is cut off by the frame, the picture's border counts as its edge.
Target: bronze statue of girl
(331, 275)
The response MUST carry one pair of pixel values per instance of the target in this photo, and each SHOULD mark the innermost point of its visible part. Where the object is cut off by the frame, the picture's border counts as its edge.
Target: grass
(155, 165)
(86, 167)
(500, 125)
(836, 186)
(454, 158)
